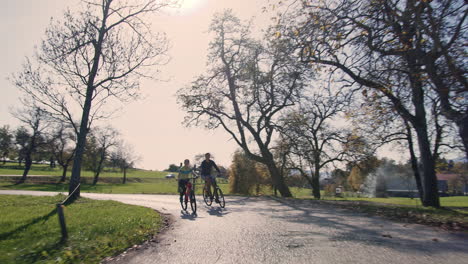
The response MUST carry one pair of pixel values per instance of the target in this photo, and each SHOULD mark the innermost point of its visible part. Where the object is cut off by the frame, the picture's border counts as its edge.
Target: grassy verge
(30, 232)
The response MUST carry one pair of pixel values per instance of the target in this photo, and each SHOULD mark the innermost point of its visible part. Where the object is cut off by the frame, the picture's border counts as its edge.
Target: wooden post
(62, 222)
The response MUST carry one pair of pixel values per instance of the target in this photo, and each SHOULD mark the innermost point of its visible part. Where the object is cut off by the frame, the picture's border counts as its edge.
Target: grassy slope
(97, 229)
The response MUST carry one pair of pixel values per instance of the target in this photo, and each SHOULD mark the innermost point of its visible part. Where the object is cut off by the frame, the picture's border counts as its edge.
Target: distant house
(452, 183)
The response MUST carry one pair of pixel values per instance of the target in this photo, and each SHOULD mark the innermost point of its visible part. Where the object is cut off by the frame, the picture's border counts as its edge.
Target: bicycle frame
(189, 195)
(188, 188)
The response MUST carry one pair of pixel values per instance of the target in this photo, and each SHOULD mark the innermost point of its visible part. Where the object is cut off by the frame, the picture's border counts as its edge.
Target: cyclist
(206, 166)
(183, 177)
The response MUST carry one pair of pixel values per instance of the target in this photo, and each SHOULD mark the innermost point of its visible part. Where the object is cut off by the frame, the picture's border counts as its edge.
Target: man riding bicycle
(206, 166)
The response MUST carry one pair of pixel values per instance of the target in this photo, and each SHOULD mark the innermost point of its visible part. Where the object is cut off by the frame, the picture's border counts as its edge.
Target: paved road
(264, 230)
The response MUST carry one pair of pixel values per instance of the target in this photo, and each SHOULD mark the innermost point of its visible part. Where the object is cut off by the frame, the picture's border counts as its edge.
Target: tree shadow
(363, 229)
(36, 255)
(34, 221)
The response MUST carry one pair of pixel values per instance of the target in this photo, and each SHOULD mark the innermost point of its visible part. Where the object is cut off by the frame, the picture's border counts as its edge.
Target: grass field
(39, 169)
(147, 186)
(30, 232)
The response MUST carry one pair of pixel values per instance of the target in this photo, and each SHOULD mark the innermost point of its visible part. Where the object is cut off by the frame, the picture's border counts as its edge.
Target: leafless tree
(246, 88)
(6, 142)
(90, 57)
(100, 141)
(124, 158)
(62, 146)
(31, 136)
(384, 46)
(313, 141)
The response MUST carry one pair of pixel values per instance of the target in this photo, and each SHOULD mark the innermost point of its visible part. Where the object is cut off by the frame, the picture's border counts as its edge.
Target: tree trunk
(96, 178)
(316, 183)
(64, 173)
(414, 163)
(75, 178)
(27, 167)
(278, 180)
(419, 122)
(463, 132)
(430, 193)
(80, 146)
(99, 168)
(124, 175)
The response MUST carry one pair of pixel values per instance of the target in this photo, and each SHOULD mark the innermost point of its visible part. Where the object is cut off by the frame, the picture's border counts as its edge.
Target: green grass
(30, 232)
(159, 186)
(39, 169)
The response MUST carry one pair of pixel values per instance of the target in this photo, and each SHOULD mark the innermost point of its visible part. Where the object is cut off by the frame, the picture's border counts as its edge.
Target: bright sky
(152, 125)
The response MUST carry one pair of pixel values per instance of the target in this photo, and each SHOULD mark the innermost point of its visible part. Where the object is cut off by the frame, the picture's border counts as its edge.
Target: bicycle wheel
(206, 196)
(220, 197)
(193, 202)
(183, 202)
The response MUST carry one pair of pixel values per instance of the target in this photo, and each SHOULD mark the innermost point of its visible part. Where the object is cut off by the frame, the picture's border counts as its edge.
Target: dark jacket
(206, 167)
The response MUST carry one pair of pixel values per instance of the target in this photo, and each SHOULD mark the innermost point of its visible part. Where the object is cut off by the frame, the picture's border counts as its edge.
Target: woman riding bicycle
(184, 177)
(206, 167)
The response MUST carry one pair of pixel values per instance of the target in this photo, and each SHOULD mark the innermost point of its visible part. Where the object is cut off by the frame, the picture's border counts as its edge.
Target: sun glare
(190, 5)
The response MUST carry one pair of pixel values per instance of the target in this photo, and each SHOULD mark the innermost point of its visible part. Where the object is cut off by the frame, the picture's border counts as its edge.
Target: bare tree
(382, 46)
(62, 146)
(313, 142)
(90, 57)
(124, 158)
(246, 88)
(98, 148)
(6, 142)
(34, 119)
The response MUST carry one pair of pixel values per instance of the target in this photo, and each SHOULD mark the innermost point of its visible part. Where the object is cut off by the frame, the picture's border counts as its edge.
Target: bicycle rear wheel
(220, 196)
(207, 197)
(193, 202)
(183, 202)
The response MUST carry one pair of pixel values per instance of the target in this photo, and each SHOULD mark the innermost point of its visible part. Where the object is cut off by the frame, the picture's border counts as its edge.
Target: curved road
(266, 230)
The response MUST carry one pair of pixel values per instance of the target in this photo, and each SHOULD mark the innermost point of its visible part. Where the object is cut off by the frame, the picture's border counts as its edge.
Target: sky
(152, 125)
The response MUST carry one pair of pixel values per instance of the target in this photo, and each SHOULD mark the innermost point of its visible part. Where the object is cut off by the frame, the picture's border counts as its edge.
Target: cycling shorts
(182, 184)
(208, 177)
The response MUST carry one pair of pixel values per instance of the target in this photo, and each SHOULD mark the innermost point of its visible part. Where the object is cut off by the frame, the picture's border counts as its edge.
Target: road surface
(267, 230)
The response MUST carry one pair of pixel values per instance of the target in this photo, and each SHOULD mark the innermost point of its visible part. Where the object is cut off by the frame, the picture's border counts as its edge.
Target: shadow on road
(356, 227)
(217, 211)
(187, 215)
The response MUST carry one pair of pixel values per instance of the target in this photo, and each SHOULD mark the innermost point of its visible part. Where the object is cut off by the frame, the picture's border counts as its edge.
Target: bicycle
(189, 194)
(218, 194)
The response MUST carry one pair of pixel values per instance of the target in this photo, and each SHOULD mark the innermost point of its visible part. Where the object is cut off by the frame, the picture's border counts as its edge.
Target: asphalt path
(274, 230)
